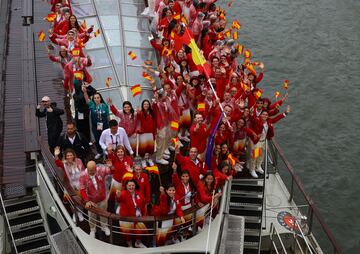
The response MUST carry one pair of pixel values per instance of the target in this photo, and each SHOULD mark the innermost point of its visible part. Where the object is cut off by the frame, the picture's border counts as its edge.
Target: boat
(272, 214)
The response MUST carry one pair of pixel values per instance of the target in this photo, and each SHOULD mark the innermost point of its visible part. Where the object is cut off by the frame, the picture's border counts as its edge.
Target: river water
(314, 44)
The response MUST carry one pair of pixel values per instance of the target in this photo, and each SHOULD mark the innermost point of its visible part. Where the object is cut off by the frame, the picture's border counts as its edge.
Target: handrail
(313, 210)
(8, 223)
(273, 231)
(79, 204)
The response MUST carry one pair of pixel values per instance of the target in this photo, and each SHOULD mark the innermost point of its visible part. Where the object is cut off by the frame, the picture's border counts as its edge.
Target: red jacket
(127, 204)
(194, 169)
(203, 195)
(258, 125)
(144, 186)
(120, 166)
(88, 191)
(198, 137)
(164, 208)
(180, 189)
(145, 123)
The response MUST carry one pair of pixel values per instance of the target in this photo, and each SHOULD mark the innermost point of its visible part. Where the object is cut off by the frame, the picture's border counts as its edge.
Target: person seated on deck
(132, 204)
(74, 140)
(72, 167)
(114, 136)
(93, 193)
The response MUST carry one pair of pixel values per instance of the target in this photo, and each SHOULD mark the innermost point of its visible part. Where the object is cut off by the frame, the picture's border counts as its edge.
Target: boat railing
(3, 211)
(307, 208)
(156, 227)
(277, 244)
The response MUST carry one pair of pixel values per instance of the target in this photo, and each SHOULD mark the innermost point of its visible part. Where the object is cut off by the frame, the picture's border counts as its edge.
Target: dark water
(314, 44)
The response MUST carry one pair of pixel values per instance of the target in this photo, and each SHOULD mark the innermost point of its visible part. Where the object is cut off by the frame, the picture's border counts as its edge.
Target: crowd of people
(211, 115)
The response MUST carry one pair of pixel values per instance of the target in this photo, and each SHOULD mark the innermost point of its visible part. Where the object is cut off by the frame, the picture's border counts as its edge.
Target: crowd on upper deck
(207, 119)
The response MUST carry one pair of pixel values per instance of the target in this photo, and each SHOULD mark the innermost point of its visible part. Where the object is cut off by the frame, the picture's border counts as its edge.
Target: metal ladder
(26, 225)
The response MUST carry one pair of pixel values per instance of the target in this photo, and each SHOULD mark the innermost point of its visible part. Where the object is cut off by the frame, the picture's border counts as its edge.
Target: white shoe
(129, 243)
(180, 144)
(174, 241)
(98, 156)
(92, 233)
(145, 12)
(166, 156)
(162, 161)
(74, 218)
(139, 244)
(253, 174)
(173, 148)
(259, 170)
(106, 230)
(143, 163)
(151, 163)
(167, 151)
(80, 216)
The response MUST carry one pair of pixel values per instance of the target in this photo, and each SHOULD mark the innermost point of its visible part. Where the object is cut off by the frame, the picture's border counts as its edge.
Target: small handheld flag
(41, 36)
(176, 141)
(174, 125)
(240, 49)
(256, 152)
(107, 82)
(79, 75)
(75, 52)
(153, 169)
(236, 25)
(132, 55)
(247, 53)
(228, 33)
(277, 94)
(257, 94)
(235, 35)
(50, 17)
(286, 84)
(201, 107)
(231, 159)
(147, 76)
(127, 176)
(136, 90)
(97, 33)
(83, 25)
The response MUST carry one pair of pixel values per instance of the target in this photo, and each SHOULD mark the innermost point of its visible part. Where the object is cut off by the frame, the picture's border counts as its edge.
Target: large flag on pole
(209, 149)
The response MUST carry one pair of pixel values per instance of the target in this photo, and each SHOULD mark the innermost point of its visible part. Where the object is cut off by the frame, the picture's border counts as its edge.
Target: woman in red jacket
(121, 164)
(205, 190)
(146, 129)
(132, 204)
(184, 187)
(169, 204)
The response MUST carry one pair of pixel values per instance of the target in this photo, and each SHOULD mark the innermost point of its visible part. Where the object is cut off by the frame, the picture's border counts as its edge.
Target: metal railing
(194, 216)
(7, 223)
(274, 240)
(297, 193)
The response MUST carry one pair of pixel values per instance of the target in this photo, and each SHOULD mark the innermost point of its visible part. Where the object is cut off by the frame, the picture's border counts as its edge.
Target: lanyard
(112, 140)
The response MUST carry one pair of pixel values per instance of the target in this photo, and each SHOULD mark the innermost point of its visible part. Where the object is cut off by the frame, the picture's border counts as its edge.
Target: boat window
(136, 39)
(107, 7)
(113, 37)
(141, 56)
(84, 10)
(99, 57)
(131, 9)
(136, 24)
(99, 77)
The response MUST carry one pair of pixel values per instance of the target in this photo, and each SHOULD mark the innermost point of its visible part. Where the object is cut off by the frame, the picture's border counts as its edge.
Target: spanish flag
(83, 25)
(136, 90)
(247, 53)
(256, 152)
(250, 67)
(228, 33)
(286, 84)
(235, 35)
(75, 52)
(257, 93)
(153, 169)
(240, 49)
(277, 94)
(97, 33)
(236, 25)
(176, 141)
(244, 87)
(80, 43)
(177, 17)
(132, 55)
(174, 125)
(50, 17)
(231, 158)
(201, 107)
(41, 36)
(79, 75)
(165, 52)
(147, 76)
(107, 82)
(127, 176)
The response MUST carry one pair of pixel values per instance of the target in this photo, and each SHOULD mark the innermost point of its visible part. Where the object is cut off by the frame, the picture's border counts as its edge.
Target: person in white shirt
(115, 135)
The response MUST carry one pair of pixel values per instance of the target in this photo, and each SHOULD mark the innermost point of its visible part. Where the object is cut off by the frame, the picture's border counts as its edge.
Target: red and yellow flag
(79, 75)
(132, 55)
(176, 141)
(256, 152)
(240, 49)
(83, 25)
(75, 52)
(174, 125)
(153, 169)
(286, 84)
(247, 53)
(41, 36)
(250, 67)
(127, 176)
(50, 17)
(228, 33)
(236, 25)
(231, 159)
(244, 86)
(107, 82)
(136, 90)
(201, 107)
(147, 76)
(177, 17)
(277, 94)
(257, 93)
(97, 33)
(235, 35)
(165, 52)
